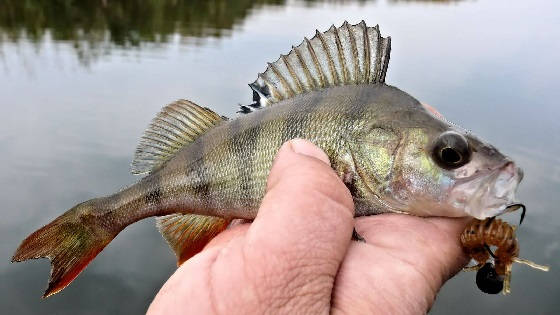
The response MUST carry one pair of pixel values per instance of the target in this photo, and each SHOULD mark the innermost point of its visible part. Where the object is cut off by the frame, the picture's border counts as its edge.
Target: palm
(409, 255)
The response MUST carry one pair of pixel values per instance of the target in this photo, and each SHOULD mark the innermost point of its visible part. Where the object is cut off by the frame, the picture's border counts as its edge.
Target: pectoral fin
(187, 234)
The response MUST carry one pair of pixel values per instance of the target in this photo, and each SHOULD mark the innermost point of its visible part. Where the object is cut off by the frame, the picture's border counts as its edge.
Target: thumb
(302, 230)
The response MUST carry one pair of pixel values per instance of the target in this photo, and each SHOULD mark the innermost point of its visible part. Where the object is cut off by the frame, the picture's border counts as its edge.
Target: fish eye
(488, 280)
(451, 150)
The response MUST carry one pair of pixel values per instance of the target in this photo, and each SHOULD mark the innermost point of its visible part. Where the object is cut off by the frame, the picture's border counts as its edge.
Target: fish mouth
(488, 194)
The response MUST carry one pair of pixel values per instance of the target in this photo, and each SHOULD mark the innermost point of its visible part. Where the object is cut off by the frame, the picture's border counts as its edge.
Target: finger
(406, 254)
(302, 230)
(433, 244)
(455, 257)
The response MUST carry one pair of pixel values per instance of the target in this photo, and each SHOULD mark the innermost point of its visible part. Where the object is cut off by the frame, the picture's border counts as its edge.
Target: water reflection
(128, 22)
(94, 26)
(434, 1)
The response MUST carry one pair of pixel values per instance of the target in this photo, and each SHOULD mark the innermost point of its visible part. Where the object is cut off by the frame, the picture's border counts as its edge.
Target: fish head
(434, 168)
(485, 184)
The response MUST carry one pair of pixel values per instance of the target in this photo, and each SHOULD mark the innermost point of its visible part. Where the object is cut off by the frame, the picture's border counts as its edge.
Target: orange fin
(187, 234)
(69, 242)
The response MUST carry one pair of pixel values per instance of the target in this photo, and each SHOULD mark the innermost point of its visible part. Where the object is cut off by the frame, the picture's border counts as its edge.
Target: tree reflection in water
(95, 26)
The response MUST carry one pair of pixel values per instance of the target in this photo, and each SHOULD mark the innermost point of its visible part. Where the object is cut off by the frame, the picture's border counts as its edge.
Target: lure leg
(473, 268)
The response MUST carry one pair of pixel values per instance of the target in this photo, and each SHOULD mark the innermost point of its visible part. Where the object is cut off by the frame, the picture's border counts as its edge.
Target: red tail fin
(71, 241)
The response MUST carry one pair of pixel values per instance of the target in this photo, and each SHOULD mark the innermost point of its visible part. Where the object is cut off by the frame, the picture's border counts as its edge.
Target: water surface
(79, 82)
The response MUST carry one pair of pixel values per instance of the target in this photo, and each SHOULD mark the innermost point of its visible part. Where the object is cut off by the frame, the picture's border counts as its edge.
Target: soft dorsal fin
(349, 54)
(177, 125)
(187, 234)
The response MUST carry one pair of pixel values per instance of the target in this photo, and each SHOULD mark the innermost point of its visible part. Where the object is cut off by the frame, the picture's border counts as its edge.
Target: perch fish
(203, 169)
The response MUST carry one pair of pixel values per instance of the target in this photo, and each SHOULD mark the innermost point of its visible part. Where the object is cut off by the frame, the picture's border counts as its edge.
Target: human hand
(297, 255)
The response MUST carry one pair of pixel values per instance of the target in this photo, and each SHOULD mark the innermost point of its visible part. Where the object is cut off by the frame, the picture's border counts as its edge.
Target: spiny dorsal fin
(177, 125)
(187, 234)
(349, 54)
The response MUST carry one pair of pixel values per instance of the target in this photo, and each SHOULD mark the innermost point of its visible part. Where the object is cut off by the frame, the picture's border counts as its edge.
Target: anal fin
(187, 234)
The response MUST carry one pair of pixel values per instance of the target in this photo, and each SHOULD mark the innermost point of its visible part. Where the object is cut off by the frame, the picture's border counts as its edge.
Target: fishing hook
(516, 206)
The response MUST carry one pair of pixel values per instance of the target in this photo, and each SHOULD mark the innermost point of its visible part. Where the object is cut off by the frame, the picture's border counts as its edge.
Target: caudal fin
(70, 242)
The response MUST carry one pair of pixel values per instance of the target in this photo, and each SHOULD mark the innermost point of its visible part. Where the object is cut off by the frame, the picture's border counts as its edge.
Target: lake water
(80, 82)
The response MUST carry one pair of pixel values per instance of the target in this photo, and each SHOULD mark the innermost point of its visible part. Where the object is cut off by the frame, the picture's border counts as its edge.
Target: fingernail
(305, 147)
